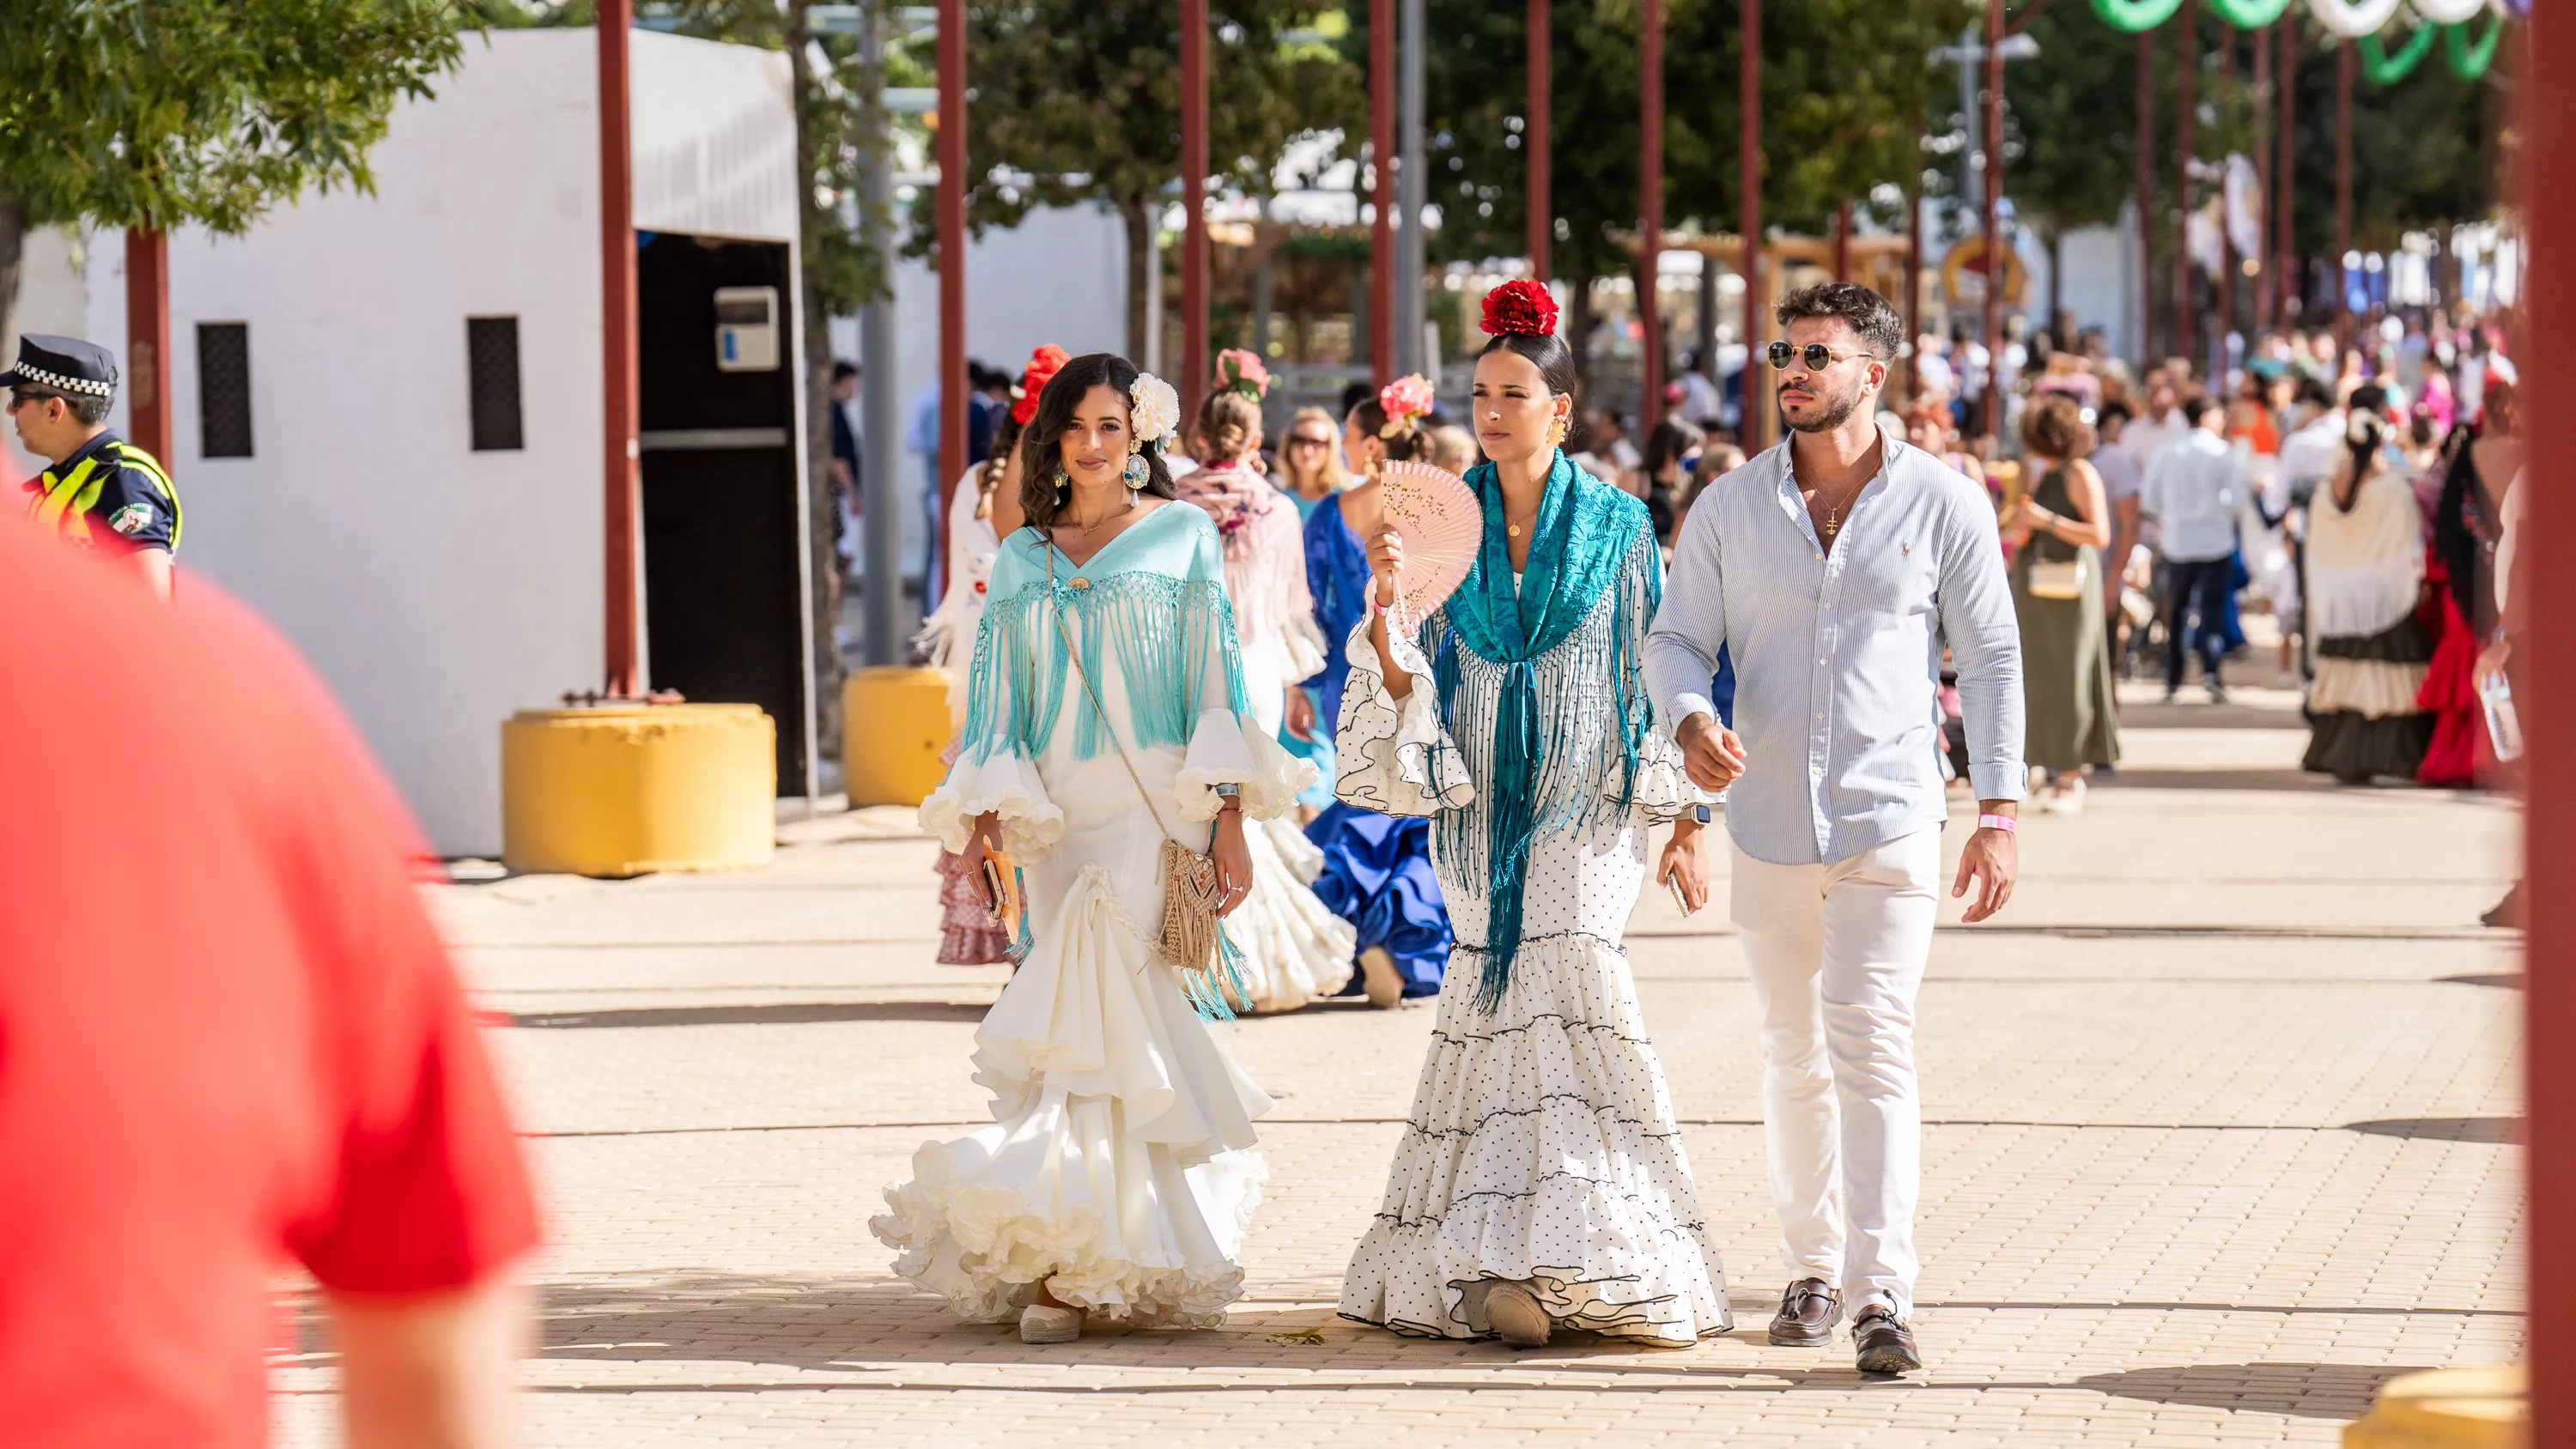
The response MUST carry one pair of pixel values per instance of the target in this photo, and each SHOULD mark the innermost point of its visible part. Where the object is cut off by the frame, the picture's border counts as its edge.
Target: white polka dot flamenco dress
(1541, 1148)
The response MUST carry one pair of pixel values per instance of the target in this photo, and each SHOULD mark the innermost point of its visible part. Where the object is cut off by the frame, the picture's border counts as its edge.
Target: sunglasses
(1310, 442)
(19, 399)
(1816, 355)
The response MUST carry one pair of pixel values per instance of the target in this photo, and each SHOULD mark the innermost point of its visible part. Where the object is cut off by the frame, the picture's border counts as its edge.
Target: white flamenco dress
(1295, 950)
(1541, 1149)
(1118, 1169)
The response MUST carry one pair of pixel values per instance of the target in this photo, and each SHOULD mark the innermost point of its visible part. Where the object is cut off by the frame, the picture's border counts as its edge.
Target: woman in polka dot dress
(1541, 1181)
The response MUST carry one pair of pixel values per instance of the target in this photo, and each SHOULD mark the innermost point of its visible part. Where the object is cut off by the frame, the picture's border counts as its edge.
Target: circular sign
(1963, 273)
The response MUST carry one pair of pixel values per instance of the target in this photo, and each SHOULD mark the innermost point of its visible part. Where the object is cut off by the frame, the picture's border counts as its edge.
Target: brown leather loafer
(1886, 1346)
(1808, 1312)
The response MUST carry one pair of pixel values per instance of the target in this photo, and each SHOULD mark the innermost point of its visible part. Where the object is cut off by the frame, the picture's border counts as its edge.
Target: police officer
(101, 493)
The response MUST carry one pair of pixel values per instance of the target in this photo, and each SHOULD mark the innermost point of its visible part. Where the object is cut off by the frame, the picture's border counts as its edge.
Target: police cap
(65, 364)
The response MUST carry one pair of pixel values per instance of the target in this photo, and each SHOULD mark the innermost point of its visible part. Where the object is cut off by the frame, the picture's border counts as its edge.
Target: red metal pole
(2262, 178)
(1650, 229)
(2146, 342)
(618, 354)
(2186, 141)
(147, 341)
(1992, 141)
(2343, 192)
(2547, 674)
(951, 59)
(1194, 237)
(1755, 426)
(1382, 191)
(2286, 287)
(1538, 138)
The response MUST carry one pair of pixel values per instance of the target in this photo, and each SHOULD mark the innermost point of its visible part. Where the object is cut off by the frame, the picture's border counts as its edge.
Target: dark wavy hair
(1042, 446)
(1401, 447)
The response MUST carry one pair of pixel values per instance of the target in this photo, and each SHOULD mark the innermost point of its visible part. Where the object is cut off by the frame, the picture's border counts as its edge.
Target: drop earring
(1137, 473)
(1556, 433)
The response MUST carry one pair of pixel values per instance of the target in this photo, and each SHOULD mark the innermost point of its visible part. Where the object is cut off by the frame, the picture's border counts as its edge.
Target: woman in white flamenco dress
(1117, 1179)
(1295, 949)
(1540, 1182)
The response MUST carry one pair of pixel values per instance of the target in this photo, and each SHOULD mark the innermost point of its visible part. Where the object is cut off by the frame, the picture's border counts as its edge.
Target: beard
(1838, 406)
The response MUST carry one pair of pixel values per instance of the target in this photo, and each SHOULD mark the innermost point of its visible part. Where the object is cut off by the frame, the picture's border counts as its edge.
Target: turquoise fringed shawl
(1149, 610)
(1581, 539)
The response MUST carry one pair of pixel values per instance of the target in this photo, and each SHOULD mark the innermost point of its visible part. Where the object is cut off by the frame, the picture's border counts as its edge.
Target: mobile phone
(993, 897)
(1673, 883)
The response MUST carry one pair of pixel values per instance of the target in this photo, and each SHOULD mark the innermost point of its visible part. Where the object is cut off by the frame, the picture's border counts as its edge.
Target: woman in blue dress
(1377, 868)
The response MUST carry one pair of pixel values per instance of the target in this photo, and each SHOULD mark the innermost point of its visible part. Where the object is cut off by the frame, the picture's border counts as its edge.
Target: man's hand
(1993, 860)
(1300, 718)
(1711, 754)
(1685, 861)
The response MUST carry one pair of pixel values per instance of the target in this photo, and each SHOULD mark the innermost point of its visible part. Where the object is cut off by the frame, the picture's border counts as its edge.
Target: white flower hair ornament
(1153, 413)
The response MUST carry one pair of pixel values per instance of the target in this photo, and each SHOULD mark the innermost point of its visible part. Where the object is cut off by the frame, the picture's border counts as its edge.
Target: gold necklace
(1514, 529)
(1086, 530)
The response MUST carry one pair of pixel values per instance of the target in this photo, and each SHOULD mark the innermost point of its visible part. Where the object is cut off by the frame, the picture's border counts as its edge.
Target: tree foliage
(1844, 82)
(162, 112)
(1075, 101)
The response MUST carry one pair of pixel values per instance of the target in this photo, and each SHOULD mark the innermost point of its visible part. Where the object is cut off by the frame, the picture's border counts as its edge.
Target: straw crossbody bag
(1191, 938)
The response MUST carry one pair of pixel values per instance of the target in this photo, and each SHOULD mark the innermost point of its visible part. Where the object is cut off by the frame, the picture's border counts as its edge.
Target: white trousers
(1836, 954)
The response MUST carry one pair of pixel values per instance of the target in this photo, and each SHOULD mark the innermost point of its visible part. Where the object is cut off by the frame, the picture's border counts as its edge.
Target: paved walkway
(2217, 1122)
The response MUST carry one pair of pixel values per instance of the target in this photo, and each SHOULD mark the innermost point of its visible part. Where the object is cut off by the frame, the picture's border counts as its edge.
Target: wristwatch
(1700, 813)
(1230, 793)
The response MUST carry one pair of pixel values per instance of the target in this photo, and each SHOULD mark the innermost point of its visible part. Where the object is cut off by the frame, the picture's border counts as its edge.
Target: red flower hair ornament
(1520, 307)
(1044, 363)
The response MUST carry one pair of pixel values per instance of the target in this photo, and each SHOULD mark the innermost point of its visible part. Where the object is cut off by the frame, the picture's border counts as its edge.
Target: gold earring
(1556, 433)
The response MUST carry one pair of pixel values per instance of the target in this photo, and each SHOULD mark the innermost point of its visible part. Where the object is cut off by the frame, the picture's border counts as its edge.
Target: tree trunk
(822, 503)
(2056, 292)
(1140, 253)
(1578, 325)
(13, 233)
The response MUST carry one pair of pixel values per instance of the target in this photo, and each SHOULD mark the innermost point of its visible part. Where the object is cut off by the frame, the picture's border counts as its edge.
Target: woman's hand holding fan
(1434, 528)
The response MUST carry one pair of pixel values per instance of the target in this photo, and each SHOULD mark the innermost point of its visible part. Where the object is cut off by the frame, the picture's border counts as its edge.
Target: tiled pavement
(2216, 1145)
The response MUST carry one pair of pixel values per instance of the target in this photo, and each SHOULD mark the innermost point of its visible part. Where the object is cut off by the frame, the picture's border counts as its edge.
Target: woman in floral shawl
(1295, 950)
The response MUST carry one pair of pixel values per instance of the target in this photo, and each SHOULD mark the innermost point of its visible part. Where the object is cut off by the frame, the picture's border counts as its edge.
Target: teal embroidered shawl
(1580, 540)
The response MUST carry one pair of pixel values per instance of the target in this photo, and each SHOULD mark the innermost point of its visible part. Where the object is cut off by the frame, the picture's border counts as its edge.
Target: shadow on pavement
(2444, 1129)
(771, 1014)
(2303, 1390)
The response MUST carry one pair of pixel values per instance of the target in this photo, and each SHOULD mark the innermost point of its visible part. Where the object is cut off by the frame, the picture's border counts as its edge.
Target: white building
(388, 410)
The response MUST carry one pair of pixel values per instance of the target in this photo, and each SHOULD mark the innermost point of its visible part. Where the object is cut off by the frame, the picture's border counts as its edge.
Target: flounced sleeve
(995, 771)
(1661, 789)
(1395, 757)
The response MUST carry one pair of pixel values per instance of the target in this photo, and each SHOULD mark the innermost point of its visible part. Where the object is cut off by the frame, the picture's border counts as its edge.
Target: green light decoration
(2138, 16)
(2249, 14)
(2469, 59)
(2384, 69)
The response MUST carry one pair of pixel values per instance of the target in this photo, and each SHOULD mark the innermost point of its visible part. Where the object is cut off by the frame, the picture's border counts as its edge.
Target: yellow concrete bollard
(894, 726)
(629, 789)
(2453, 1408)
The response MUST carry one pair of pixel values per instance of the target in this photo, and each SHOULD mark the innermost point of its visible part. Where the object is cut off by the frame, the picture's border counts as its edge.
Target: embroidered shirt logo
(132, 519)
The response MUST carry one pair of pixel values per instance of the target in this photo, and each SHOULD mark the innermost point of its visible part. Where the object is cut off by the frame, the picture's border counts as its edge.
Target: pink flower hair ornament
(1406, 398)
(1240, 371)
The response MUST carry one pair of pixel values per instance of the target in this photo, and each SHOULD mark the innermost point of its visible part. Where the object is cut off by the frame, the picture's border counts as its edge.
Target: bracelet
(2004, 823)
(1229, 797)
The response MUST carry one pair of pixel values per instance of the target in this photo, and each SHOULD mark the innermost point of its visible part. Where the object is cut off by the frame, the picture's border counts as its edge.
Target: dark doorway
(724, 606)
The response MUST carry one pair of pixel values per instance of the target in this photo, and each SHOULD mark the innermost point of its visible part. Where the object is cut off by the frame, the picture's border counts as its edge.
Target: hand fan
(1442, 525)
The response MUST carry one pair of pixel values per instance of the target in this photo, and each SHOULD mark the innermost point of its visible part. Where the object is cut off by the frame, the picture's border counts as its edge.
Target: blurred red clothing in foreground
(229, 1036)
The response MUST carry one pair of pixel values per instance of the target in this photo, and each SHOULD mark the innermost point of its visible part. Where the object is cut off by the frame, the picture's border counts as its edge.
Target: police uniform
(110, 495)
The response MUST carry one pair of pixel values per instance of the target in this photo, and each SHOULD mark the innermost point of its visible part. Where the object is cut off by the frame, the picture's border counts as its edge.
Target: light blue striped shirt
(1838, 656)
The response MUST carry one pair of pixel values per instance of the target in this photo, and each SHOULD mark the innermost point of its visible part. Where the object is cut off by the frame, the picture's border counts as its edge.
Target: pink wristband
(2004, 823)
